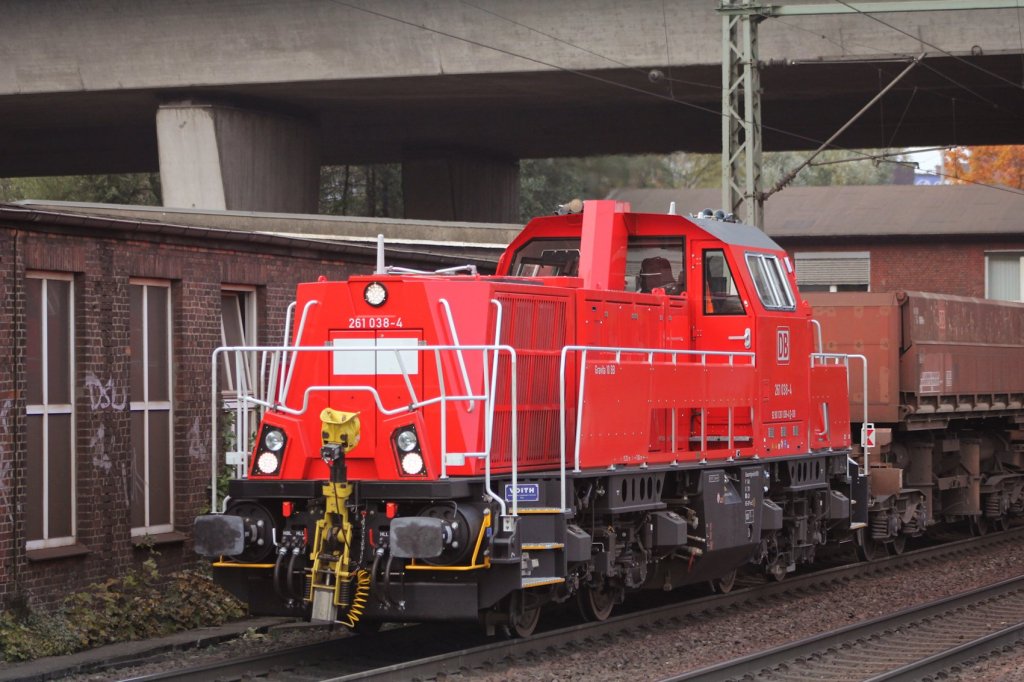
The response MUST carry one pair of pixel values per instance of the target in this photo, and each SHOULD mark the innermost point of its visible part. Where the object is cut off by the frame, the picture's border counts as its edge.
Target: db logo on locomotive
(782, 346)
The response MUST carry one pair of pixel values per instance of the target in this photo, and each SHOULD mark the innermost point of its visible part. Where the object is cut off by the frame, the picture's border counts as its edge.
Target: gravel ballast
(659, 652)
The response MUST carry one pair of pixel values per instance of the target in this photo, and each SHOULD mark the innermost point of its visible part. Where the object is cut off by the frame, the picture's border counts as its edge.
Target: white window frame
(146, 406)
(778, 285)
(1020, 283)
(46, 409)
(249, 334)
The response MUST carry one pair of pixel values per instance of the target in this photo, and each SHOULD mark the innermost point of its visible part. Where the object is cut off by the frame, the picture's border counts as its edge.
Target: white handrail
(843, 359)
(817, 329)
(458, 354)
(619, 350)
(491, 389)
(290, 359)
(248, 398)
(278, 361)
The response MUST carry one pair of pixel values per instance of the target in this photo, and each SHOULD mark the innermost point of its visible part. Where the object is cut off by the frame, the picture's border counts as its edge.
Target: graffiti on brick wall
(98, 445)
(105, 395)
(196, 443)
(125, 476)
(5, 464)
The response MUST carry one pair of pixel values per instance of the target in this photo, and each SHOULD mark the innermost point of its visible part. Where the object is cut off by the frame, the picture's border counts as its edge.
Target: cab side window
(720, 294)
(655, 263)
(547, 258)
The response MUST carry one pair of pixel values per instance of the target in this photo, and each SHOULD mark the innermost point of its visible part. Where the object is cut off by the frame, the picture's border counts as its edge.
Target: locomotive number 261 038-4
(375, 322)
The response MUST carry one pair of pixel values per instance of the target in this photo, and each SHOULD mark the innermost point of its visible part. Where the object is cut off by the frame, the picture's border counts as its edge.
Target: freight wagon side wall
(961, 354)
(865, 324)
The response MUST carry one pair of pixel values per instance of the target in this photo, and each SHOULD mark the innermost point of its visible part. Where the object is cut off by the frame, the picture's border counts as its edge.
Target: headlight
(407, 441)
(273, 440)
(412, 463)
(267, 463)
(375, 294)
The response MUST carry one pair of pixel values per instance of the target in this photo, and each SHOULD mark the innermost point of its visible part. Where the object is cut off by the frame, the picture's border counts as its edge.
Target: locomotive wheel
(777, 570)
(725, 583)
(868, 549)
(521, 621)
(595, 604)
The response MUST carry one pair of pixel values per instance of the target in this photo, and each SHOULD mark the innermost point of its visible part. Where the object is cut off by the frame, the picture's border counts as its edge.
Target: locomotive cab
(631, 401)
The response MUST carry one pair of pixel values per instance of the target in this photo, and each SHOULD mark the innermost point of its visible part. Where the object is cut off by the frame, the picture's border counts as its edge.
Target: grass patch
(139, 605)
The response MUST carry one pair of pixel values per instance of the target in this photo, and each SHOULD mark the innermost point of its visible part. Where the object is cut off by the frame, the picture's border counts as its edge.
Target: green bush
(139, 605)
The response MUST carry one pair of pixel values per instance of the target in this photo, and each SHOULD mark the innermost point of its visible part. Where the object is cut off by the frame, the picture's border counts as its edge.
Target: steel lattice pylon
(741, 132)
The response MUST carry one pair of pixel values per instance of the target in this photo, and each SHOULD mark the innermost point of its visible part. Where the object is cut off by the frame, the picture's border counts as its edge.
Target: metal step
(540, 510)
(539, 546)
(539, 582)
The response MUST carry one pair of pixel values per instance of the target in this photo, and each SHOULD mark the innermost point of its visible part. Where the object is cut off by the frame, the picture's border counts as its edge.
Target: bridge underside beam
(522, 116)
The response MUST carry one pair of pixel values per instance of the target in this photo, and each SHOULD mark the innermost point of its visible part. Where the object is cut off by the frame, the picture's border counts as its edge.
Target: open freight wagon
(945, 400)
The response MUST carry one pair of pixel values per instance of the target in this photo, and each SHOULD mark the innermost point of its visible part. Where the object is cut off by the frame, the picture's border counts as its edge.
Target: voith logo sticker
(526, 492)
(782, 345)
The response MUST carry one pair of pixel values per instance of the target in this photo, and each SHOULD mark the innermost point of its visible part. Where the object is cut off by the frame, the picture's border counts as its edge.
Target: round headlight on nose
(407, 441)
(375, 294)
(412, 463)
(273, 440)
(267, 463)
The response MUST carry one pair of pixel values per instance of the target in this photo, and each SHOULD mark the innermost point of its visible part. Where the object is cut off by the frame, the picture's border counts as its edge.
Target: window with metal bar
(49, 381)
(150, 392)
(833, 270)
(1004, 275)
(237, 328)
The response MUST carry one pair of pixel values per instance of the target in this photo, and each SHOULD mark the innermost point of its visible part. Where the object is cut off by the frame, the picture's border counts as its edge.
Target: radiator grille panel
(536, 328)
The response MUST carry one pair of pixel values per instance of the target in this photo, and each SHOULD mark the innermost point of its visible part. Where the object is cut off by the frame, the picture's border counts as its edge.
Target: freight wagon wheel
(978, 526)
(595, 603)
(725, 583)
(1001, 523)
(899, 544)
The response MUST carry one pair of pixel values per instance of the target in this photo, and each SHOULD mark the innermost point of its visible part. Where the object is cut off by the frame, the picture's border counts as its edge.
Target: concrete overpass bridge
(239, 103)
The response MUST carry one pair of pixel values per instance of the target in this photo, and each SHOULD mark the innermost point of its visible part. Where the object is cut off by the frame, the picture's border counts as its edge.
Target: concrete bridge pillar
(222, 157)
(461, 187)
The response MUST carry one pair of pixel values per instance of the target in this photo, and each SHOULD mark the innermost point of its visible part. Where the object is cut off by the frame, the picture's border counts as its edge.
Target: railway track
(909, 645)
(424, 652)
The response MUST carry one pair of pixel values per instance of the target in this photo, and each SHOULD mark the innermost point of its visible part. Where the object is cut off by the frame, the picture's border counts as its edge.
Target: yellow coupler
(337, 594)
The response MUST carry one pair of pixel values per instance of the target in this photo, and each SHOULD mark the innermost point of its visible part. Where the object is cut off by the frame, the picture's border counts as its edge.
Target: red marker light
(287, 508)
(391, 509)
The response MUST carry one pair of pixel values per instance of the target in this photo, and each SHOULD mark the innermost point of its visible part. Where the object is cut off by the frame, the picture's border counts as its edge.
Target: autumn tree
(992, 165)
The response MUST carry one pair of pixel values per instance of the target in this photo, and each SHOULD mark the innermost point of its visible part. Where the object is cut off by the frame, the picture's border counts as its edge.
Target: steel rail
(944, 661)
(488, 653)
(798, 660)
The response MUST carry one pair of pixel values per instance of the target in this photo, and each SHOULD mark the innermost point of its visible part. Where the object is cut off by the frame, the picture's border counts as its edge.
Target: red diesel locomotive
(631, 401)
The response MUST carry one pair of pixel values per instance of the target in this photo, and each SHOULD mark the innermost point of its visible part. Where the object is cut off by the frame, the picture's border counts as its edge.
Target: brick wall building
(108, 326)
